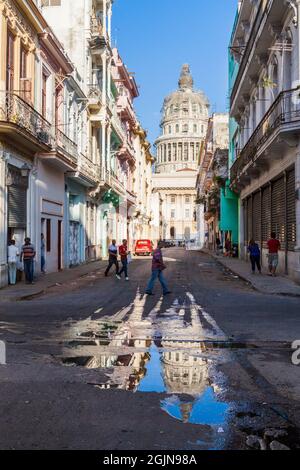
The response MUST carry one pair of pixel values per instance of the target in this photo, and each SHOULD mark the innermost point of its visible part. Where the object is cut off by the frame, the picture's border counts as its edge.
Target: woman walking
(254, 251)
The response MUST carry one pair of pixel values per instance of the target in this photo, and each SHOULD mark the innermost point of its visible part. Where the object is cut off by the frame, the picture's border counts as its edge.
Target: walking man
(27, 255)
(123, 252)
(13, 254)
(157, 272)
(113, 258)
(274, 246)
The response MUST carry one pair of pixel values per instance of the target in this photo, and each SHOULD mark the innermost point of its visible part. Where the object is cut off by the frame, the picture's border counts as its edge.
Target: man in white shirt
(13, 254)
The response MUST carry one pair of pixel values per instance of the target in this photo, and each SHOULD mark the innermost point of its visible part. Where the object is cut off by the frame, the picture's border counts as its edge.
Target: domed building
(184, 122)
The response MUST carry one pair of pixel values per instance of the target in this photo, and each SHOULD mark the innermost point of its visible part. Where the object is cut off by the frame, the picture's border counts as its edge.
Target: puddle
(205, 409)
(172, 352)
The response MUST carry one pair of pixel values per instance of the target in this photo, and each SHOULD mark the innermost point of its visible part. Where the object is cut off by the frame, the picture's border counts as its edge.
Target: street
(96, 364)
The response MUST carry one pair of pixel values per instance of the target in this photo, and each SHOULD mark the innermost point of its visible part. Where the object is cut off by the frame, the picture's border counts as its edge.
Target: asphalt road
(96, 364)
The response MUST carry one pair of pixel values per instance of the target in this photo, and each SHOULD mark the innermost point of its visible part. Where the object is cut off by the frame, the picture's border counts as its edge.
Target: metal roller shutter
(291, 210)
(256, 215)
(278, 209)
(266, 215)
(16, 207)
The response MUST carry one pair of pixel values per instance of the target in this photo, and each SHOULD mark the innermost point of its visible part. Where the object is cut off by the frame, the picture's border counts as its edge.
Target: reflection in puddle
(167, 352)
(205, 409)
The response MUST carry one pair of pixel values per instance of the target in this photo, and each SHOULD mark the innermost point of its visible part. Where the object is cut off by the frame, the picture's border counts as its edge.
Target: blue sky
(155, 37)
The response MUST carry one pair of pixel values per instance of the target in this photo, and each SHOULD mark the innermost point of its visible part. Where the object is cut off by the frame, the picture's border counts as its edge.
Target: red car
(143, 247)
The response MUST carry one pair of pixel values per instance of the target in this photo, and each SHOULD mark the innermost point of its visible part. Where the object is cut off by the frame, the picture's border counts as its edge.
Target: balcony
(255, 50)
(127, 152)
(116, 185)
(95, 96)
(23, 125)
(276, 130)
(131, 197)
(126, 110)
(99, 38)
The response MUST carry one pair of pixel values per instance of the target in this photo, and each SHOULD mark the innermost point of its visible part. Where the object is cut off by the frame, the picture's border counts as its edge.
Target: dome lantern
(186, 81)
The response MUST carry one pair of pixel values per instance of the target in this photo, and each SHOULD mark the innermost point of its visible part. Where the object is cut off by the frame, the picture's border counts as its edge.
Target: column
(109, 15)
(104, 17)
(104, 77)
(103, 152)
(108, 155)
(3, 223)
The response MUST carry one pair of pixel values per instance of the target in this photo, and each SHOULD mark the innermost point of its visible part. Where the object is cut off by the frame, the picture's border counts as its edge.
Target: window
(44, 93)
(173, 214)
(187, 199)
(187, 213)
(48, 235)
(170, 130)
(173, 199)
(186, 152)
(185, 128)
(195, 128)
(23, 63)
(10, 61)
(177, 128)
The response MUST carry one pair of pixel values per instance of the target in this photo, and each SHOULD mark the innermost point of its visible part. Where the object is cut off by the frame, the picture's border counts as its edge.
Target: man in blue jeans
(157, 271)
(28, 255)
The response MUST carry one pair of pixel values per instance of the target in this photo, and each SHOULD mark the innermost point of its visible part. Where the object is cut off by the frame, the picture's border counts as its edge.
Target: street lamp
(25, 170)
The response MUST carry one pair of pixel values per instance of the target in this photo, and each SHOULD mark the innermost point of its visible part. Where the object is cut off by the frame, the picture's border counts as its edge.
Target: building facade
(184, 125)
(265, 105)
(210, 183)
(70, 152)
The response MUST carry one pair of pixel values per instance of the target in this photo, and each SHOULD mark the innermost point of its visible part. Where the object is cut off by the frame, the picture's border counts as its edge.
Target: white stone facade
(265, 104)
(184, 124)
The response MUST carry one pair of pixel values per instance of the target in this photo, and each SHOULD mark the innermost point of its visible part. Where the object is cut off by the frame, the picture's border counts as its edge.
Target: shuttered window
(266, 215)
(17, 207)
(278, 210)
(256, 216)
(291, 209)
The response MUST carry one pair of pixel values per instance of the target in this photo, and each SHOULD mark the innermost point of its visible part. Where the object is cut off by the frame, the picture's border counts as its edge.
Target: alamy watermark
(296, 354)
(2, 353)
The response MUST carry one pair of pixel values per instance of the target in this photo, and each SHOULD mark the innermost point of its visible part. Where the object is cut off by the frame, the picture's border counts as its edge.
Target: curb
(283, 294)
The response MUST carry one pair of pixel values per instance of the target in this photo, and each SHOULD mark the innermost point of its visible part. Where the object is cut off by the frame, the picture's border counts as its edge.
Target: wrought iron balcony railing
(284, 111)
(65, 144)
(15, 110)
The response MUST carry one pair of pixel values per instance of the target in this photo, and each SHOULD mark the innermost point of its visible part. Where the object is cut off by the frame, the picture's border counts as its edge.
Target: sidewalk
(22, 291)
(278, 285)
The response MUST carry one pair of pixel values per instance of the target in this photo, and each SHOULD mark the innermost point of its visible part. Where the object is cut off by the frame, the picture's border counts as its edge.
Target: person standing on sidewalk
(113, 258)
(27, 255)
(13, 254)
(123, 252)
(273, 246)
(254, 251)
(157, 272)
(43, 254)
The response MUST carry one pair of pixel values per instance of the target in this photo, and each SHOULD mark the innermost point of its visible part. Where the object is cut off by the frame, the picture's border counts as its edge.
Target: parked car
(143, 247)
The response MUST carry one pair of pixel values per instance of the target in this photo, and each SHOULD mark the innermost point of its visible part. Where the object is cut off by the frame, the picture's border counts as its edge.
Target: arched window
(274, 78)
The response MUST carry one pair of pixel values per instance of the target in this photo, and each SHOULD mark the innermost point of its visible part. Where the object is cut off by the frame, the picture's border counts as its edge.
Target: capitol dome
(184, 120)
